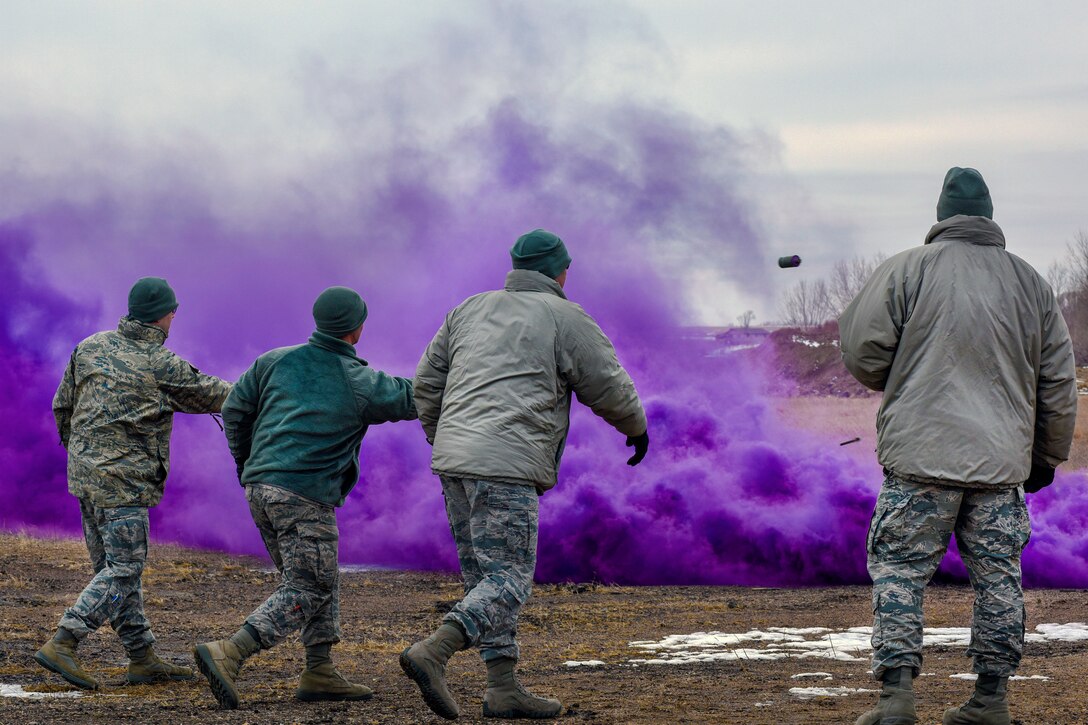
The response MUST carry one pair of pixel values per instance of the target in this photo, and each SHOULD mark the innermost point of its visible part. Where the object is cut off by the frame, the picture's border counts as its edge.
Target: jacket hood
(970, 229)
(136, 330)
(526, 280)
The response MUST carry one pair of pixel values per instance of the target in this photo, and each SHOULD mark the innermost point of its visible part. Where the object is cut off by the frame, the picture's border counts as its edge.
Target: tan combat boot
(989, 705)
(147, 667)
(220, 661)
(59, 655)
(425, 662)
(506, 698)
(325, 683)
(896, 704)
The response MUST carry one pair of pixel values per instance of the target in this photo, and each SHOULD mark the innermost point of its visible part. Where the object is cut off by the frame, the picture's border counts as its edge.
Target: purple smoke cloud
(417, 221)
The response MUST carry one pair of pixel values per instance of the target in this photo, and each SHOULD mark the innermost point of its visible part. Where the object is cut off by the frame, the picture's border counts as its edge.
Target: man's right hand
(641, 444)
(1040, 477)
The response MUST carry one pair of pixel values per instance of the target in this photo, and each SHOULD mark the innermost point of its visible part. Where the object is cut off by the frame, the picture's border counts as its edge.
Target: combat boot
(989, 705)
(896, 704)
(59, 655)
(145, 666)
(220, 661)
(425, 662)
(506, 698)
(325, 683)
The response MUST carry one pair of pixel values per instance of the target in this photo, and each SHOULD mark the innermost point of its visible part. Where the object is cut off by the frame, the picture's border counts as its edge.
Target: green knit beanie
(338, 311)
(151, 299)
(540, 251)
(964, 192)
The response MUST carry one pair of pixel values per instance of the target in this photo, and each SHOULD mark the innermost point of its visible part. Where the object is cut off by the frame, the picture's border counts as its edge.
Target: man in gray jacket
(493, 392)
(970, 348)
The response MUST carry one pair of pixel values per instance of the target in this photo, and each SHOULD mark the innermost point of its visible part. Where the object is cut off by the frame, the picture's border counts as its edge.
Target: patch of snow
(847, 645)
(799, 675)
(1071, 632)
(7, 690)
(972, 676)
(805, 341)
(765, 704)
(583, 663)
(806, 693)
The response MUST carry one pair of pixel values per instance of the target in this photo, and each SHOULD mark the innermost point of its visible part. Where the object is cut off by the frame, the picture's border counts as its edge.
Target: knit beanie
(151, 299)
(540, 251)
(964, 192)
(338, 311)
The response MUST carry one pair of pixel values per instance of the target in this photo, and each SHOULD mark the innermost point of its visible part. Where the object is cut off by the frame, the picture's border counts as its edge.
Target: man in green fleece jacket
(294, 423)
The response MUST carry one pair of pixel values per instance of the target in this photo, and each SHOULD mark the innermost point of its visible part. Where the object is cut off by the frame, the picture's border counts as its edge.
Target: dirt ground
(194, 596)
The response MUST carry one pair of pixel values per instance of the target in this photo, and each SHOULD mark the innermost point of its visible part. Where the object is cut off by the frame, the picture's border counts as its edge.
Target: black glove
(641, 444)
(1040, 477)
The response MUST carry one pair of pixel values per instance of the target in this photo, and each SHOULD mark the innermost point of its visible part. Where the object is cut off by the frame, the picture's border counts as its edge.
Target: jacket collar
(334, 344)
(526, 280)
(136, 330)
(971, 229)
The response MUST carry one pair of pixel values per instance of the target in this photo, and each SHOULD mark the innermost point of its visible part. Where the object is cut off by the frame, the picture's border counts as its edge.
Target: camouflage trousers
(908, 537)
(117, 542)
(302, 539)
(495, 527)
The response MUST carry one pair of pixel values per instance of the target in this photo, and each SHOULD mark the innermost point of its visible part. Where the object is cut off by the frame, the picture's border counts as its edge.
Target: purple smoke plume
(417, 221)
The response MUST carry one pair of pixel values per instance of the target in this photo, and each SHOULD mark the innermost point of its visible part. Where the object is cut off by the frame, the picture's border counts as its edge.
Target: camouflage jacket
(115, 410)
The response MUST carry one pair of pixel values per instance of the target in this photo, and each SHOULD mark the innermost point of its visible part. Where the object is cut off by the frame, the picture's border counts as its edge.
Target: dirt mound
(808, 362)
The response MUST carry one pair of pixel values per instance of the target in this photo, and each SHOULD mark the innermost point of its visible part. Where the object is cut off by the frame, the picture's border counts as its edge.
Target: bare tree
(847, 279)
(1069, 279)
(745, 320)
(807, 304)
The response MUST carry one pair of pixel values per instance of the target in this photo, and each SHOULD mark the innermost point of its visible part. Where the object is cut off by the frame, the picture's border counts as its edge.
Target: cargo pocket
(511, 526)
(317, 553)
(889, 505)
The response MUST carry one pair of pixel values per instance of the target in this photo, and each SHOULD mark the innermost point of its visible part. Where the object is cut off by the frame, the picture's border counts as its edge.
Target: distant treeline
(812, 303)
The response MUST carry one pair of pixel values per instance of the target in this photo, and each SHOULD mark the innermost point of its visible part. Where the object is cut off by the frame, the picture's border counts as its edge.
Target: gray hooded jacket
(493, 388)
(973, 355)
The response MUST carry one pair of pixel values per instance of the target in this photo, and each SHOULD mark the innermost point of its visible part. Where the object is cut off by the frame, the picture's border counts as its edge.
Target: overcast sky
(851, 111)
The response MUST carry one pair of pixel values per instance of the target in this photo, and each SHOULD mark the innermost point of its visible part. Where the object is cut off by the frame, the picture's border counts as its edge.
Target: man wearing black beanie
(114, 410)
(294, 422)
(969, 346)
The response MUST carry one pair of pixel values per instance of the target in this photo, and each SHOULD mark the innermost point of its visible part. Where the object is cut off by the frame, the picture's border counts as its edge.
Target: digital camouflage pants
(495, 527)
(302, 539)
(908, 537)
(117, 542)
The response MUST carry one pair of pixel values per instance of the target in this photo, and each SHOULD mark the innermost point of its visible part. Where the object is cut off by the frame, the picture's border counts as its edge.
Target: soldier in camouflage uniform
(294, 423)
(970, 349)
(493, 391)
(114, 410)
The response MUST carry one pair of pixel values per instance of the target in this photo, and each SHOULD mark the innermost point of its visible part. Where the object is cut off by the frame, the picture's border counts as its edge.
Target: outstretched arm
(587, 360)
(239, 414)
(429, 385)
(186, 389)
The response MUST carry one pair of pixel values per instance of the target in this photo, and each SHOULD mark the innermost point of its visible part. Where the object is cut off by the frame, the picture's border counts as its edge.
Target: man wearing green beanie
(114, 411)
(493, 390)
(969, 346)
(295, 422)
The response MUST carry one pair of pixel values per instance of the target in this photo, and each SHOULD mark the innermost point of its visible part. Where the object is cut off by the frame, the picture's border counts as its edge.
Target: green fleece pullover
(297, 417)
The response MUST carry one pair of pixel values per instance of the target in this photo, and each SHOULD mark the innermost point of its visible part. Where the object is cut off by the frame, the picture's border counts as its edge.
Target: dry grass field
(196, 595)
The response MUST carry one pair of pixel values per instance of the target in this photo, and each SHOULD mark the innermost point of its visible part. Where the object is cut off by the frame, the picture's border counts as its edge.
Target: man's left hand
(1040, 477)
(641, 444)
